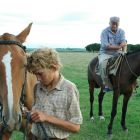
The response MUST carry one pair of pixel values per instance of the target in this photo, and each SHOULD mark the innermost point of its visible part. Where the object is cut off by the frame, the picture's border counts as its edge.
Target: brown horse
(16, 84)
(123, 84)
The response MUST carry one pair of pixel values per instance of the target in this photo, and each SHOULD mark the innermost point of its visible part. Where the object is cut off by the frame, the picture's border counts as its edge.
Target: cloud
(68, 22)
(74, 16)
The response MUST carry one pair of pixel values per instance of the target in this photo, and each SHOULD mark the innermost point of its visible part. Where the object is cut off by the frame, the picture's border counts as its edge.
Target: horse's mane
(133, 52)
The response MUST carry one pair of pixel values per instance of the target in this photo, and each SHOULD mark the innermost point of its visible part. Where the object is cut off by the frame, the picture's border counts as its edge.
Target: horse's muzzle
(12, 124)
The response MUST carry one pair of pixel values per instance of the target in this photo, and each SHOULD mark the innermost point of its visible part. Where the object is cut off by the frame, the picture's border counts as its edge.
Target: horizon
(29, 45)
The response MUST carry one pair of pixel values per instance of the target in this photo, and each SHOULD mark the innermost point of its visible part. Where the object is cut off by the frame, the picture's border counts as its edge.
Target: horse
(123, 84)
(16, 84)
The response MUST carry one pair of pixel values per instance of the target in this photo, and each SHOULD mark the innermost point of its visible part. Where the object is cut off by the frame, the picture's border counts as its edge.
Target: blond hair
(43, 58)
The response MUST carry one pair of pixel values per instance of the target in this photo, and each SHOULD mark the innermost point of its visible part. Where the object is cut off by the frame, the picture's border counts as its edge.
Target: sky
(68, 23)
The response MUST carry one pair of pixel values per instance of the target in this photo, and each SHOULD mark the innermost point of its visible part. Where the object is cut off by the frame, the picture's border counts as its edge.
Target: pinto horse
(16, 84)
(123, 84)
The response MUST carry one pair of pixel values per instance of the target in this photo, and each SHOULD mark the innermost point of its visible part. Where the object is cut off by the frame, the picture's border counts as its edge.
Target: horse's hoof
(102, 118)
(125, 130)
(92, 119)
(110, 136)
(109, 133)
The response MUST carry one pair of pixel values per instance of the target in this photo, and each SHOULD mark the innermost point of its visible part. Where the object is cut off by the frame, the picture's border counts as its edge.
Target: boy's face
(45, 76)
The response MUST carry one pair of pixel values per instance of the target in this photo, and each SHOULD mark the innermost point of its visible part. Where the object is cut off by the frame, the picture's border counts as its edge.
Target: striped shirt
(61, 102)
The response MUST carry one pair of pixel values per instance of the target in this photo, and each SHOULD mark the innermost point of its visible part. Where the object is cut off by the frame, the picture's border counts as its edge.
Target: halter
(22, 99)
(10, 42)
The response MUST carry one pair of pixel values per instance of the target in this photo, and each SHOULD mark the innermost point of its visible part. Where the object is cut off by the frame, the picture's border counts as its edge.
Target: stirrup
(106, 89)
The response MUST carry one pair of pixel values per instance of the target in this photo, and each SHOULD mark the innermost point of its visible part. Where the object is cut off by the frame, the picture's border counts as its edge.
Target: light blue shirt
(110, 38)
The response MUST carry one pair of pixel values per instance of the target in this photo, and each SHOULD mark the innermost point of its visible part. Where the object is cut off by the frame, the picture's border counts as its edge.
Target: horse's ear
(22, 36)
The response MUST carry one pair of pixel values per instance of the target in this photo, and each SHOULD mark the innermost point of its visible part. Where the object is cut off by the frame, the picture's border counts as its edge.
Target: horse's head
(12, 76)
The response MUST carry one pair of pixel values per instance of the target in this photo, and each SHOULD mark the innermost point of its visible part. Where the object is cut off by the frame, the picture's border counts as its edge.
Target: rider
(113, 43)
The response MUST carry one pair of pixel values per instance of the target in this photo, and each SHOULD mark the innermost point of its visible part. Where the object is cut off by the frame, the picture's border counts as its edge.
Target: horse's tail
(92, 77)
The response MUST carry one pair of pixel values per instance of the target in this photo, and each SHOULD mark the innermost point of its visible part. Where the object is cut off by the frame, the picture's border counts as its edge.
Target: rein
(125, 58)
(130, 67)
(28, 118)
(22, 98)
(40, 124)
(1, 132)
(2, 127)
(120, 71)
(44, 131)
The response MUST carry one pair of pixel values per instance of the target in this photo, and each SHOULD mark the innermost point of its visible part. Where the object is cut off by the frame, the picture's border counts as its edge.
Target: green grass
(75, 69)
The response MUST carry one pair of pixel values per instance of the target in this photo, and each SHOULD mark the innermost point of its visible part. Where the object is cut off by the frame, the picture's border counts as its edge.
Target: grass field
(75, 69)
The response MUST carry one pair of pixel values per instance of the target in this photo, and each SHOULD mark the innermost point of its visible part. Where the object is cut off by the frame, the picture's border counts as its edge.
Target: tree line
(96, 46)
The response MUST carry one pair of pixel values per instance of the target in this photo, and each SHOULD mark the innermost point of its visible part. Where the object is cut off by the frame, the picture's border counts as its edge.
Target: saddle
(112, 65)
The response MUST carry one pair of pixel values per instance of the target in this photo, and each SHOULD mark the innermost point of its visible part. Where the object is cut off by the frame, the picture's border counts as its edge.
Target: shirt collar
(109, 29)
(58, 85)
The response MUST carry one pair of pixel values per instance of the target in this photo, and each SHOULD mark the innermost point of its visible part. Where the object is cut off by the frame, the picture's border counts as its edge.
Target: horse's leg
(6, 136)
(26, 129)
(124, 109)
(100, 100)
(31, 137)
(91, 91)
(113, 112)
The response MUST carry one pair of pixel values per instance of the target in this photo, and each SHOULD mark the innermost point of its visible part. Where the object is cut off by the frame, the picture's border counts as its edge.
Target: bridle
(22, 99)
(10, 42)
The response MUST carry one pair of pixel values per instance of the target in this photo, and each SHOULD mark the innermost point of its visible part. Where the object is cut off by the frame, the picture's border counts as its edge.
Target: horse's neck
(133, 62)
